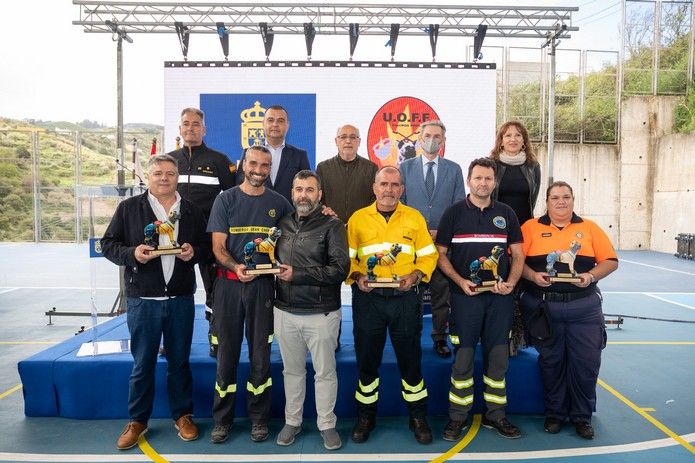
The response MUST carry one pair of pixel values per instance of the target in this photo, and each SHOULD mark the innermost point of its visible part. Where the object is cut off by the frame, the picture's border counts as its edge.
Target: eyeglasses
(347, 137)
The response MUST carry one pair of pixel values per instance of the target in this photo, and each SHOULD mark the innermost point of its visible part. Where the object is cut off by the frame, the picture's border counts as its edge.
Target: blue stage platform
(58, 383)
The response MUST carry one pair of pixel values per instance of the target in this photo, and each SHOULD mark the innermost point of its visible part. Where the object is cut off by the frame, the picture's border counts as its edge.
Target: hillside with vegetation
(599, 121)
(67, 154)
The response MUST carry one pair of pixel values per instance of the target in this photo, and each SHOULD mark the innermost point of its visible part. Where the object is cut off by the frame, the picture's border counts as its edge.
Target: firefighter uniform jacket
(203, 173)
(370, 234)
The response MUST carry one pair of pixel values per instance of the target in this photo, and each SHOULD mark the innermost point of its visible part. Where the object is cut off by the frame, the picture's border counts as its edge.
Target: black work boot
(361, 430)
(422, 431)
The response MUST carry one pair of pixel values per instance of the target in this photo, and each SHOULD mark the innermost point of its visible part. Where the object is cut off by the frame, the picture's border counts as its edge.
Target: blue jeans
(147, 321)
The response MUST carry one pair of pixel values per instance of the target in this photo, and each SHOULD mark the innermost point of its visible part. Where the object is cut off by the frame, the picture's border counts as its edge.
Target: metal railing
(47, 177)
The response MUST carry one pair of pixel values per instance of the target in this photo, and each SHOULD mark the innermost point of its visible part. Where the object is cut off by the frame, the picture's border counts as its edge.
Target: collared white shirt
(435, 167)
(163, 215)
(277, 155)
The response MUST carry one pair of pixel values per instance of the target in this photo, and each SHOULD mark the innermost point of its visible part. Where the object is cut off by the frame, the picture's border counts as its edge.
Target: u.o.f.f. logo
(393, 132)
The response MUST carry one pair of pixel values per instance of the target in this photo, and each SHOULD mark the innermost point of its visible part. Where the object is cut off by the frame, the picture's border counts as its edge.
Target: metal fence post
(75, 189)
(36, 184)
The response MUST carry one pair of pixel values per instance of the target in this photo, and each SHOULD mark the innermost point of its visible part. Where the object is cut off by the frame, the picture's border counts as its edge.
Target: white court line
(467, 456)
(656, 266)
(3, 291)
(670, 302)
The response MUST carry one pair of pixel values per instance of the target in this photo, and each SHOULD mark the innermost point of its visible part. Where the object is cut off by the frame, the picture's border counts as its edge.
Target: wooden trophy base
(564, 278)
(166, 251)
(484, 286)
(263, 269)
(384, 283)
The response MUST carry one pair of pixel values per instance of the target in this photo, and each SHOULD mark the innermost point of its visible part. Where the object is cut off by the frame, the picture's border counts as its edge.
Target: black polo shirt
(470, 233)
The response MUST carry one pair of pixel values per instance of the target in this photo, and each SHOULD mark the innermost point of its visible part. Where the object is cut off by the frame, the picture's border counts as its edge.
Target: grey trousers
(441, 305)
(318, 334)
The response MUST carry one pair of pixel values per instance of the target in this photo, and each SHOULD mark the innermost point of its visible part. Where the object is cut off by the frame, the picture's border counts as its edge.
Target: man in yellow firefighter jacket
(372, 231)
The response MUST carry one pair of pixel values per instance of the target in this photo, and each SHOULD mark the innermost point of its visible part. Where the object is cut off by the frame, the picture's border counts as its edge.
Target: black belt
(390, 292)
(561, 297)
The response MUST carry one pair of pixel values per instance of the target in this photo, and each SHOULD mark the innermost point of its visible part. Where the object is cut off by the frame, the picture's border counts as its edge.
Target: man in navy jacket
(432, 197)
(287, 159)
(159, 291)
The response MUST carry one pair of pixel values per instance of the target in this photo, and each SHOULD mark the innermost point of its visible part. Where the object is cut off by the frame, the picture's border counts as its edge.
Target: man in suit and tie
(287, 159)
(432, 184)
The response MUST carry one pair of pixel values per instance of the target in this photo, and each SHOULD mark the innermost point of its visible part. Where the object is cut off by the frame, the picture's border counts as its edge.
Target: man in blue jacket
(287, 159)
(159, 291)
(432, 184)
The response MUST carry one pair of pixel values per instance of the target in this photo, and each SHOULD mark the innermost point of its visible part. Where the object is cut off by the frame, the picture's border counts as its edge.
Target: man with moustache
(372, 231)
(287, 159)
(203, 173)
(159, 292)
(347, 178)
(243, 302)
(432, 184)
(468, 231)
(313, 252)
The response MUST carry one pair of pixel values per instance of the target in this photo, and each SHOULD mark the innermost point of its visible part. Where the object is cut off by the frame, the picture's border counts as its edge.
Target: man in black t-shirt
(468, 234)
(240, 215)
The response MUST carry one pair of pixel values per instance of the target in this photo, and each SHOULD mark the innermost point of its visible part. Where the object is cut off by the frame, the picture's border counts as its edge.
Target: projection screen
(387, 102)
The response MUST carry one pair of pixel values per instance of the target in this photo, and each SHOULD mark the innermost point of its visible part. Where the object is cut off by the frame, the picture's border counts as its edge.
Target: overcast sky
(52, 70)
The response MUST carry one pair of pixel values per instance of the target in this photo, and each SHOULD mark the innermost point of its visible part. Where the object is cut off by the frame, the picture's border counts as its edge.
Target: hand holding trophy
(154, 229)
(565, 257)
(387, 259)
(487, 266)
(262, 246)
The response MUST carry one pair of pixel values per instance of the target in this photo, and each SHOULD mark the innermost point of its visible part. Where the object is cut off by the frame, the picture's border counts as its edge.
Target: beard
(305, 206)
(387, 201)
(255, 180)
(481, 192)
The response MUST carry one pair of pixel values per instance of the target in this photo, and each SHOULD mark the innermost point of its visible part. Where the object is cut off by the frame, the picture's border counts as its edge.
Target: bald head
(347, 140)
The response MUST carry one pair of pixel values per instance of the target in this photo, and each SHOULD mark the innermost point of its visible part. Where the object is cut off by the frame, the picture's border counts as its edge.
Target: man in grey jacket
(314, 255)
(432, 184)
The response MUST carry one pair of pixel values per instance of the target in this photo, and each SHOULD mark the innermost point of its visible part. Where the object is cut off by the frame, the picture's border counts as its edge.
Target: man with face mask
(432, 184)
(314, 255)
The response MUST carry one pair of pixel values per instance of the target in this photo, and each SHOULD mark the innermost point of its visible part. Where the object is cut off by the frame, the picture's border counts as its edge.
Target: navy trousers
(570, 362)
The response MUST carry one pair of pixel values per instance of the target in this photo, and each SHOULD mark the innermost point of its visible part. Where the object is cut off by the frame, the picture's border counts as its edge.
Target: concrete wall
(673, 196)
(592, 171)
(642, 191)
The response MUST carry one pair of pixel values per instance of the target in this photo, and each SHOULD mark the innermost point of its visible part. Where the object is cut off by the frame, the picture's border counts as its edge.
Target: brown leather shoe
(130, 435)
(187, 429)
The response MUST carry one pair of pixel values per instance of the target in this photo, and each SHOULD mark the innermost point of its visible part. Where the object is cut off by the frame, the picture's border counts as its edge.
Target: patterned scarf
(513, 160)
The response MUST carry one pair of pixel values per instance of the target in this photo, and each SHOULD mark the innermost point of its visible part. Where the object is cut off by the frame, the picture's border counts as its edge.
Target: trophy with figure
(565, 257)
(156, 228)
(262, 246)
(484, 270)
(385, 259)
